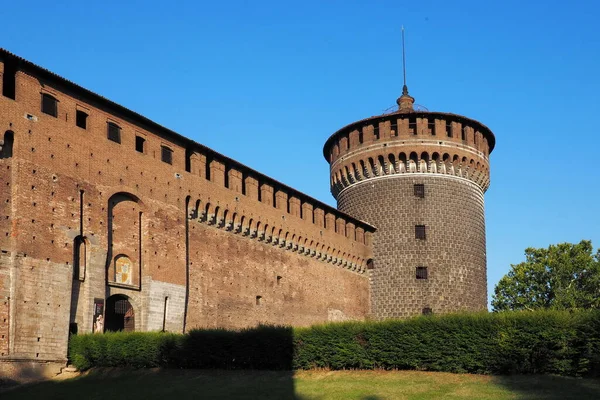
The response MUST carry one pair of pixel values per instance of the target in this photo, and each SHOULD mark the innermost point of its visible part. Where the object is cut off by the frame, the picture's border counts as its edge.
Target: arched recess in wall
(6, 145)
(125, 241)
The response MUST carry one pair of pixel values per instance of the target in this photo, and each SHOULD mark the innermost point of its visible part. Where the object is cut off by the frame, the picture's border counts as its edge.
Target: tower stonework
(419, 177)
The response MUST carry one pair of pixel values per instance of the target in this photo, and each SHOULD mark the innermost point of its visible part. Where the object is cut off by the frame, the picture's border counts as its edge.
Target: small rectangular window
(166, 155)
(114, 132)
(258, 300)
(81, 119)
(419, 189)
(376, 130)
(140, 144)
(427, 311)
(412, 125)
(431, 126)
(49, 105)
(9, 80)
(464, 133)
(421, 272)
(449, 128)
(394, 128)
(420, 232)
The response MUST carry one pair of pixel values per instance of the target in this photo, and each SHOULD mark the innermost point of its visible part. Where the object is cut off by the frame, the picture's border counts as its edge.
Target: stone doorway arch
(119, 315)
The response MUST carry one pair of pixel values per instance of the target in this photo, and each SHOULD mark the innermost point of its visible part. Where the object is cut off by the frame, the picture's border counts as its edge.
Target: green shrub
(555, 342)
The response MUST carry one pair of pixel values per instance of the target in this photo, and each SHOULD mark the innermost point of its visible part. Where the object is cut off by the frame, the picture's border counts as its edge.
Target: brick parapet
(423, 142)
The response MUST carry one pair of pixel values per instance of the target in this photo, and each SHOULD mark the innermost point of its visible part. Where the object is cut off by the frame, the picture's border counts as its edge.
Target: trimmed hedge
(553, 342)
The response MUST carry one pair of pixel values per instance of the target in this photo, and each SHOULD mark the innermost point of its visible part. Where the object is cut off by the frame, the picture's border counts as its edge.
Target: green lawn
(364, 385)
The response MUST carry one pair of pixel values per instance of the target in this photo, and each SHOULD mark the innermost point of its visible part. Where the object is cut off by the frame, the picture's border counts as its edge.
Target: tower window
(113, 132)
(258, 300)
(412, 125)
(420, 232)
(427, 311)
(166, 154)
(49, 105)
(376, 130)
(464, 133)
(394, 127)
(421, 272)
(449, 128)
(140, 144)
(431, 126)
(419, 189)
(81, 119)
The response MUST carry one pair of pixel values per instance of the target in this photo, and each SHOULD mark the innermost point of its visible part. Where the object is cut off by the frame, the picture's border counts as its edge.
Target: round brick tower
(419, 178)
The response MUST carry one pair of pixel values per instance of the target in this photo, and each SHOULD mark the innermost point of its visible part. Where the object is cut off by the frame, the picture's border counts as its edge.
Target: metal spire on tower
(405, 102)
(404, 88)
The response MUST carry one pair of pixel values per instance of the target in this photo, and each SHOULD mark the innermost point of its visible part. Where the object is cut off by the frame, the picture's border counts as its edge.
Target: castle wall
(452, 211)
(244, 280)
(83, 218)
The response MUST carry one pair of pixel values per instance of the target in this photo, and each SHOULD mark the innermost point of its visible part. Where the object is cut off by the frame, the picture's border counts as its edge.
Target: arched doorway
(120, 315)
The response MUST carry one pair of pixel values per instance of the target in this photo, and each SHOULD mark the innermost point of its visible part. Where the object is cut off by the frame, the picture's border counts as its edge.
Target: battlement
(248, 192)
(415, 142)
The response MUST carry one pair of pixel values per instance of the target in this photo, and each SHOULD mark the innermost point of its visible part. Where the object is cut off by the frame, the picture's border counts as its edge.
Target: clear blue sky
(255, 79)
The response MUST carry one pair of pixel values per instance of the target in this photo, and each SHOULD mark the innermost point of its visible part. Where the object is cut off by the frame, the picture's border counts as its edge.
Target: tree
(563, 276)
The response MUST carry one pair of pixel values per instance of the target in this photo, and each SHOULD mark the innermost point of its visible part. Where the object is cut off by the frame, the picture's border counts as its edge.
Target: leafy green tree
(562, 277)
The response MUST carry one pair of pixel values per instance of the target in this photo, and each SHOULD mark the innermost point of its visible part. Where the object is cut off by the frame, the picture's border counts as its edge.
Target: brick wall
(453, 251)
(72, 190)
(294, 289)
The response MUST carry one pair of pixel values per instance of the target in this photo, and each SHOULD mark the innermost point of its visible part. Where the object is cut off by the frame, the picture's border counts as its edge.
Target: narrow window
(421, 272)
(394, 127)
(258, 300)
(114, 132)
(140, 144)
(376, 130)
(464, 133)
(188, 160)
(9, 80)
(419, 189)
(166, 307)
(412, 125)
(81, 119)
(278, 280)
(427, 311)
(166, 154)
(370, 264)
(420, 232)
(49, 105)
(431, 126)
(449, 128)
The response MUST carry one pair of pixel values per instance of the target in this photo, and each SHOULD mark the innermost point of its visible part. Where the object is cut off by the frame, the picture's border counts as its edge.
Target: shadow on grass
(548, 387)
(148, 384)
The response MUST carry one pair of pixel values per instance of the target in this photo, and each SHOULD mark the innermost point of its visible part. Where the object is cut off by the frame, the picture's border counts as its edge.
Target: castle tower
(419, 177)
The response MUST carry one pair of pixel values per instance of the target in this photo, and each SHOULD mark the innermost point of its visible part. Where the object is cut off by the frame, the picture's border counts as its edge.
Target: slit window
(140, 144)
(81, 119)
(421, 273)
(49, 105)
(419, 189)
(113, 132)
(258, 300)
(449, 128)
(166, 155)
(420, 232)
(464, 133)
